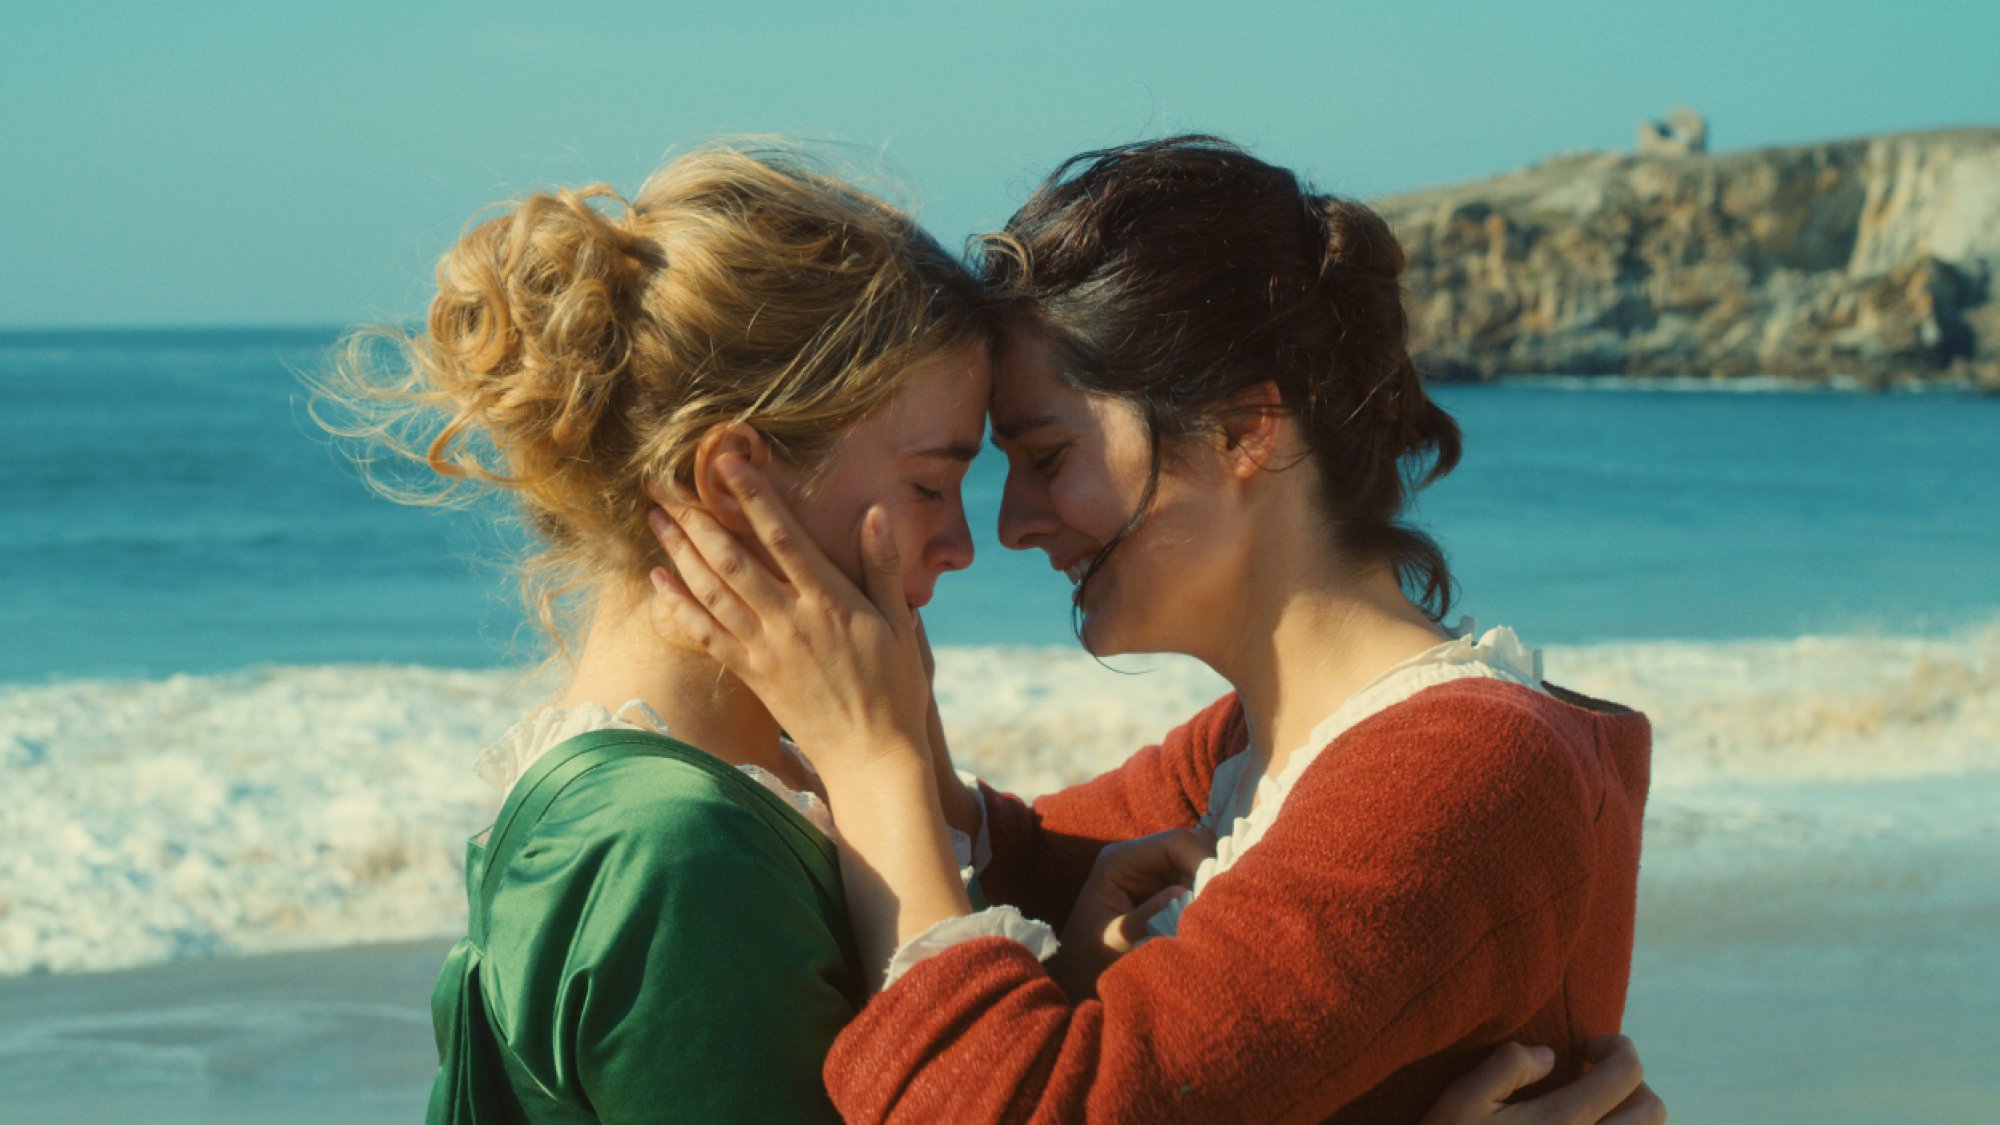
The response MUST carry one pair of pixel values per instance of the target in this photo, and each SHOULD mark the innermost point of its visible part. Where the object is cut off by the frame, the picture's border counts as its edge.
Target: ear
(736, 438)
(1253, 426)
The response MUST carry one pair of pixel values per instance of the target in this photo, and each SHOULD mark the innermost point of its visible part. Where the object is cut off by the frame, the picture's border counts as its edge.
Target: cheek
(835, 530)
(1088, 503)
(921, 526)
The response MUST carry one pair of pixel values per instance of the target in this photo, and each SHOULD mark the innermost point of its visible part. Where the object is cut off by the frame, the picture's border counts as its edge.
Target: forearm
(960, 804)
(1214, 1025)
(896, 861)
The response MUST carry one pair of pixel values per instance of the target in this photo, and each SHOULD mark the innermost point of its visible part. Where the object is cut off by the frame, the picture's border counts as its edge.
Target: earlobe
(1252, 428)
(733, 439)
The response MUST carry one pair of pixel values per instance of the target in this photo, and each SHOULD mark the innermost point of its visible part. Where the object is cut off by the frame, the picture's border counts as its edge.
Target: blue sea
(240, 696)
(170, 508)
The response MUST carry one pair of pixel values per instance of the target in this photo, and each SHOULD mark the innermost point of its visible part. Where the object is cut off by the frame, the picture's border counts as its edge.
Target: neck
(1309, 636)
(628, 655)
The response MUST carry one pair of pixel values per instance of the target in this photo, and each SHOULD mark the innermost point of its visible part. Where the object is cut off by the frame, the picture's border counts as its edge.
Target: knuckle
(1626, 1065)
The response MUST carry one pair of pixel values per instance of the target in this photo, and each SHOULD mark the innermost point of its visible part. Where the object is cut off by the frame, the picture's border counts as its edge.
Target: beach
(1815, 911)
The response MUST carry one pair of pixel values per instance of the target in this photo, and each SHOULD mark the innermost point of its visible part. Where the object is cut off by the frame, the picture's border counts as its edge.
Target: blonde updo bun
(578, 346)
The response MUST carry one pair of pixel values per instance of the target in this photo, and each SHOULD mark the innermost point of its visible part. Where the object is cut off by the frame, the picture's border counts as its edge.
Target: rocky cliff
(1874, 261)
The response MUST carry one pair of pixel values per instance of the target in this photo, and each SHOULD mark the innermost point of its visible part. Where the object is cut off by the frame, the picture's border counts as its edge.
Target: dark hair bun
(1176, 273)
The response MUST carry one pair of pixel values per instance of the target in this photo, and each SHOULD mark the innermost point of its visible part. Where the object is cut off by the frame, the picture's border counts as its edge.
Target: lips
(1074, 567)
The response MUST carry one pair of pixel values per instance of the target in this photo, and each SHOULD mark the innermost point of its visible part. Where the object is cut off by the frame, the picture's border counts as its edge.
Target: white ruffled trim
(508, 759)
(807, 805)
(978, 853)
(1239, 823)
(994, 921)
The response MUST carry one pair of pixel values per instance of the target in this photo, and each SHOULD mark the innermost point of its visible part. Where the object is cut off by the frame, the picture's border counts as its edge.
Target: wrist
(885, 766)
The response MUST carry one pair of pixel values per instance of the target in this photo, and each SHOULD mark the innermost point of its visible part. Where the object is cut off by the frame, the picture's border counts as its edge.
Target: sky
(212, 163)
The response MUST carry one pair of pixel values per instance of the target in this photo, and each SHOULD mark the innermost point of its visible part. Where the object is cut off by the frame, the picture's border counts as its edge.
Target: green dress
(654, 936)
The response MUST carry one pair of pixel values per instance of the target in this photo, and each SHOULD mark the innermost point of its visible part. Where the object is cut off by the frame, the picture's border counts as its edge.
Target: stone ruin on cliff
(1683, 133)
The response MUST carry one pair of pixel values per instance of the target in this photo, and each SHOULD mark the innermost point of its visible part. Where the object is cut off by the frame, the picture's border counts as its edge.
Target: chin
(1107, 632)
(1100, 636)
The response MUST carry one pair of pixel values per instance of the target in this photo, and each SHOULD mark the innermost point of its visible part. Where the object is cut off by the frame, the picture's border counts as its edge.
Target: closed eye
(1046, 462)
(928, 493)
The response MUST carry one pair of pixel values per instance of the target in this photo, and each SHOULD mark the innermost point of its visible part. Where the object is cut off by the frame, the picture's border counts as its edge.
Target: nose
(1026, 519)
(951, 548)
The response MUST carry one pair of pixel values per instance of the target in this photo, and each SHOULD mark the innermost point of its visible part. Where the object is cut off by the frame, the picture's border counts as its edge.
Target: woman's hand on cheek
(843, 673)
(841, 669)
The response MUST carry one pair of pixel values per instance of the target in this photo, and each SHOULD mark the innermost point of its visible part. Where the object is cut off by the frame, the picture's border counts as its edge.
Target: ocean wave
(293, 807)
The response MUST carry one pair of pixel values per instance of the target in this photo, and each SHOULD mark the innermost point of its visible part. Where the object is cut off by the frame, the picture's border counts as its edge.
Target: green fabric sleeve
(661, 949)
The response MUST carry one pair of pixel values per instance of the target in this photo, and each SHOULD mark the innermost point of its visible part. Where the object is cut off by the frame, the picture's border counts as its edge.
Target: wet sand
(329, 1036)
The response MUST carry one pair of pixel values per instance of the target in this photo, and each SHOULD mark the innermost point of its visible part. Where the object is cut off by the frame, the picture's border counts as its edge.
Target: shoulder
(645, 849)
(1482, 743)
(1493, 717)
(652, 812)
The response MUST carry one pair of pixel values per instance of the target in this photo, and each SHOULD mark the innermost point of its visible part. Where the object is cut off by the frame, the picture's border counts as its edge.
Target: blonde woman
(658, 929)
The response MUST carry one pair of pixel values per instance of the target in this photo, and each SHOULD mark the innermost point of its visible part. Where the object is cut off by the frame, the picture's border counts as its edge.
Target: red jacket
(1454, 871)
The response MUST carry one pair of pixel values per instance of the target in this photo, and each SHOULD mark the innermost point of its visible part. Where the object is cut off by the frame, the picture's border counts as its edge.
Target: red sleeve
(1421, 889)
(1041, 854)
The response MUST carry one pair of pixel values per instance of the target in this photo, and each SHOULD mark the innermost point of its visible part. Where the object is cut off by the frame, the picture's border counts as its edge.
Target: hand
(840, 669)
(1130, 882)
(1612, 1093)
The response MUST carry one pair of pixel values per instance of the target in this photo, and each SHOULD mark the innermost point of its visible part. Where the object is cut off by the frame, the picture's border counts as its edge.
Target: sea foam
(293, 807)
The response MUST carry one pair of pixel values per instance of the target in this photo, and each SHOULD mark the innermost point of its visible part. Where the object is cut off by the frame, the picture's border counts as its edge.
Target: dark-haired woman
(1422, 850)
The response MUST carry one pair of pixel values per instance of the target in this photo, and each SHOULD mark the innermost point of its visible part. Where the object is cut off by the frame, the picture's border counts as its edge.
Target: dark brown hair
(1176, 273)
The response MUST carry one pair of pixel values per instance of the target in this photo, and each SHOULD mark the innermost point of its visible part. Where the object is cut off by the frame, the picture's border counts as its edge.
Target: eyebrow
(1013, 430)
(961, 451)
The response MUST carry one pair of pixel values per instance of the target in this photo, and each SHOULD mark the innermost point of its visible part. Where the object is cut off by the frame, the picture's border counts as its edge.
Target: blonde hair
(578, 346)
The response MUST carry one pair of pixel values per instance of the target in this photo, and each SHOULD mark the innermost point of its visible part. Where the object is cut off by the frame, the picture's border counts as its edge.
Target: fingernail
(1544, 1055)
(659, 577)
(732, 468)
(658, 521)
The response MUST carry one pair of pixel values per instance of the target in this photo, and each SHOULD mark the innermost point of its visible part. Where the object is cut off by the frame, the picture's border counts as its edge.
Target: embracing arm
(1415, 903)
